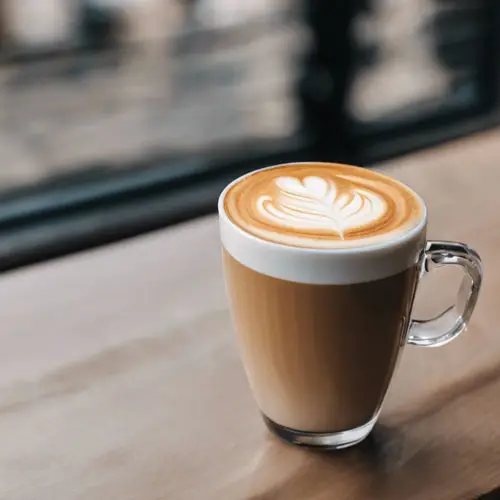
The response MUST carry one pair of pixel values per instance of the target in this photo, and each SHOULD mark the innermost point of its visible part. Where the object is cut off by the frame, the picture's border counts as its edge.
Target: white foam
(340, 265)
(316, 203)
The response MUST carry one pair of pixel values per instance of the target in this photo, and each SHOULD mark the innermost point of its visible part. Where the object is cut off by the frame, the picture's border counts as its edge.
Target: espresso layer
(319, 357)
(322, 205)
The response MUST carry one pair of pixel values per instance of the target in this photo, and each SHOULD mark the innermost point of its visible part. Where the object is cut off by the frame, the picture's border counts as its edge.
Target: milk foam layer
(322, 205)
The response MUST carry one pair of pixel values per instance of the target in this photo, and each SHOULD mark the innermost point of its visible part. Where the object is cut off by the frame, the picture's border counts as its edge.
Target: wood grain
(120, 378)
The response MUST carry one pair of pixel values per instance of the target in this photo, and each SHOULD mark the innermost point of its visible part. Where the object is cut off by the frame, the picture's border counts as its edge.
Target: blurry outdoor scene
(93, 88)
(156, 76)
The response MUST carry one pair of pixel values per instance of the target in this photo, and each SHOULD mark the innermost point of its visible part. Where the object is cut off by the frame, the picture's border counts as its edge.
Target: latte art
(317, 203)
(321, 205)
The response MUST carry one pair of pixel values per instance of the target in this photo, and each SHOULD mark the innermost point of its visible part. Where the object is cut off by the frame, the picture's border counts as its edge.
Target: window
(118, 117)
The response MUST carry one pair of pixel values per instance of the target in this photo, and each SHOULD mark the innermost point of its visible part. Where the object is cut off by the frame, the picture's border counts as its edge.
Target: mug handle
(452, 322)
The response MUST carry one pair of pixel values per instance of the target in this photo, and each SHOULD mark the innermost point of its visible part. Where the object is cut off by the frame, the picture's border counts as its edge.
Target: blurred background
(122, 116)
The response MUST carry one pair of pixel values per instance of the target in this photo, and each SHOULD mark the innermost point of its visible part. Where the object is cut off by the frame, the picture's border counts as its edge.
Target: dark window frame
(50, 220)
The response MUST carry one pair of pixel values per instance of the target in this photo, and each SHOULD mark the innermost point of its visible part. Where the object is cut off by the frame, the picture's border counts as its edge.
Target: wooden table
(120, 379)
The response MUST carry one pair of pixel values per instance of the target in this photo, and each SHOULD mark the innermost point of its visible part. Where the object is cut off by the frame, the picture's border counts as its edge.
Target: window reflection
(427, 58)
(118, 80)
(407, 72)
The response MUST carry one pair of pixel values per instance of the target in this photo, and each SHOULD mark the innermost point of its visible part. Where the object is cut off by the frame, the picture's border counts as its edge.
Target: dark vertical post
(3, 25)
(490, 72)
(326, 73)
(100, 26)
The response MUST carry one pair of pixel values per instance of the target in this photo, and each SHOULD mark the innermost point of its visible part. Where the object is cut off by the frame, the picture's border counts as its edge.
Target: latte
(319, 357)
(321, 264)
(320, 205)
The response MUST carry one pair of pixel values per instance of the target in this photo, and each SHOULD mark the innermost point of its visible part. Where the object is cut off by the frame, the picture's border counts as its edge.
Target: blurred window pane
(122, 116)
(426, 57)
(157, 76)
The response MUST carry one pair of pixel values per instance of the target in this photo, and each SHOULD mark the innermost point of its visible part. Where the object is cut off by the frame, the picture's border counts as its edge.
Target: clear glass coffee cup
(322, 262)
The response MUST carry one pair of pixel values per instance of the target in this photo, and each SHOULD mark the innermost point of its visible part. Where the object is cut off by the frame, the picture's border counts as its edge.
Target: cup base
(322, 440)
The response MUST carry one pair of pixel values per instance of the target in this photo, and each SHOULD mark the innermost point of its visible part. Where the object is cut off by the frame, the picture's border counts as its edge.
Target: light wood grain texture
(120, 378)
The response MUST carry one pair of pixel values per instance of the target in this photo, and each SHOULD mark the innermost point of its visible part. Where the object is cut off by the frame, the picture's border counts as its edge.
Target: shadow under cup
(320, 331)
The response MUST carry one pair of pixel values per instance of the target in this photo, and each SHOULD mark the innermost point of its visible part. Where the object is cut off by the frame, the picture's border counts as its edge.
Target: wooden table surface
(120, 379)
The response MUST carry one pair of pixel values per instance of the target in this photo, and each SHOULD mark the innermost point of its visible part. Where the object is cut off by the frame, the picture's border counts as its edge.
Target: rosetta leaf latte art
(316, 203)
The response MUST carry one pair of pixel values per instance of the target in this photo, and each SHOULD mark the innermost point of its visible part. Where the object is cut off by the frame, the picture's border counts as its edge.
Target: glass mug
(320, 330)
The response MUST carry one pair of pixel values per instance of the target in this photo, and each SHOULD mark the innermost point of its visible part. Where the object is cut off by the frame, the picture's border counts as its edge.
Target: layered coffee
(321, 264)
(319, 358)
(320, 205)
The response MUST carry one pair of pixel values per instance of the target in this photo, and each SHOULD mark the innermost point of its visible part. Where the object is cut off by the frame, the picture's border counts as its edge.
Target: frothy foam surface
(322, 205)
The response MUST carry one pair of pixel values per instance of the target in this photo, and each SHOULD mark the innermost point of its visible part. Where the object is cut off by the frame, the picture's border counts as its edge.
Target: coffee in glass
(321, 263)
